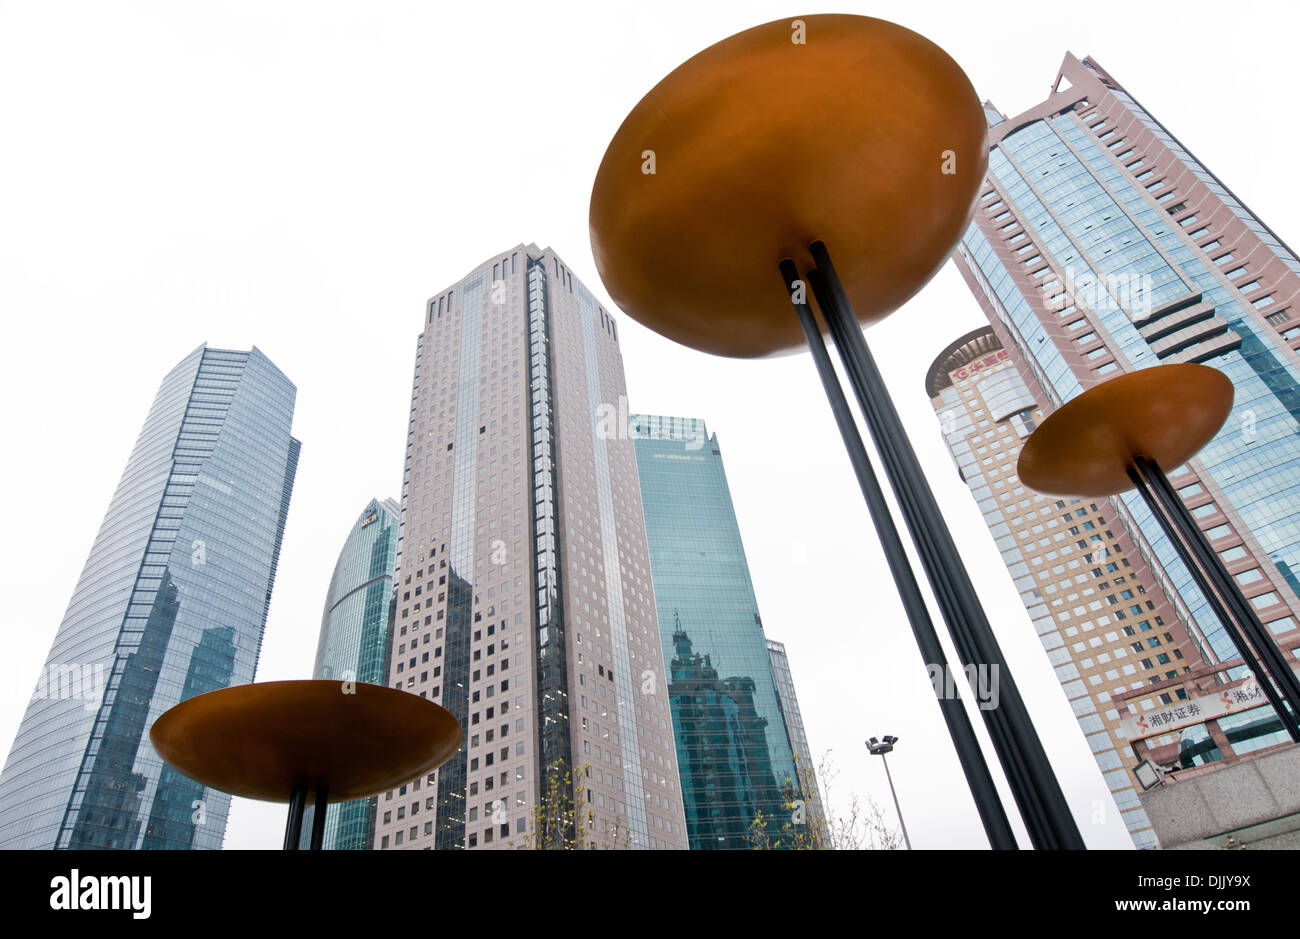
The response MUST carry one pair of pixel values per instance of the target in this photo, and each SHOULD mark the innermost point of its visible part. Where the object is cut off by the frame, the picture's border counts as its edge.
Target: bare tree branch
(806, 829)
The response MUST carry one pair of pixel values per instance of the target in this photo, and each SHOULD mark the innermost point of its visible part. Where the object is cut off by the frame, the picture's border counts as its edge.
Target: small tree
(804, 828)
(556, 823)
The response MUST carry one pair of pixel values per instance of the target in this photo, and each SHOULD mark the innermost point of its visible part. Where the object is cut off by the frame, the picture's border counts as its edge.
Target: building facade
(733, 746)
(792, 717)
(1102, 616)
(1101, 245)
(355, 637)
(171, 603)
(524, 597)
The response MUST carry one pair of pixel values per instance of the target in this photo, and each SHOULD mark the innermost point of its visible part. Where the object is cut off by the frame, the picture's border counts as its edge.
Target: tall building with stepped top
(1101, 245)
(524, 597)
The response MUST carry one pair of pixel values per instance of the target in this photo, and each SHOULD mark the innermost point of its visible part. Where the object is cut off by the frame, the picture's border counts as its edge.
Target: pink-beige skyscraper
(524, 599)
(1102, 245)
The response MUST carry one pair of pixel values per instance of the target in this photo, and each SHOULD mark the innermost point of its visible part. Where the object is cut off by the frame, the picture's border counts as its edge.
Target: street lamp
(879, 747)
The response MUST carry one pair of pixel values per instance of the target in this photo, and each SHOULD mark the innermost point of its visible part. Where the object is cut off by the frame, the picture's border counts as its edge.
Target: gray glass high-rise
(171, 603)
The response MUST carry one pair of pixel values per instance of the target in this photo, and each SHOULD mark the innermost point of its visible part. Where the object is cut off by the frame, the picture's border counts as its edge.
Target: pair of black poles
(1227, 601)
(1034, 785)
(297, 810)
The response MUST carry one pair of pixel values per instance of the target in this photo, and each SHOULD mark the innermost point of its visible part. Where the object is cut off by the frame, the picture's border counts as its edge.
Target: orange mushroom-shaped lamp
(1128, 432)
(286, 741)
(757, 158)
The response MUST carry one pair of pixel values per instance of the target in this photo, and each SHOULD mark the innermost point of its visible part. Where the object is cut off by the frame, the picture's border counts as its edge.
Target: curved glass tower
(354, 638)
(171, 603)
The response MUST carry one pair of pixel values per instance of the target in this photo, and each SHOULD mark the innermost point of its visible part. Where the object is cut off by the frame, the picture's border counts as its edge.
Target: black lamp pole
(1221, 592)
(1037, 792)
(297, 809)
(978, 777)
(298, 812)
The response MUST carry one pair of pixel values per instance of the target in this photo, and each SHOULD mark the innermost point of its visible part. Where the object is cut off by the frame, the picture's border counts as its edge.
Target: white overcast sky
(301, 176)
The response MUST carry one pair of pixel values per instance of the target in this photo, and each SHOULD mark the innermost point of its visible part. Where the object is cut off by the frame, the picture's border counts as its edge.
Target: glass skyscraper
(355, 634)
(172, 603)
(804, 760)
(1101, 245)
(734, 747)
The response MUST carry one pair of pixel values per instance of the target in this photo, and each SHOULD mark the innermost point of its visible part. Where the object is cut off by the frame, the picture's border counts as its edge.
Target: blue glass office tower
(355, 635)
(171, 603)
(1101, 245)
(734, 749)
(798, 737)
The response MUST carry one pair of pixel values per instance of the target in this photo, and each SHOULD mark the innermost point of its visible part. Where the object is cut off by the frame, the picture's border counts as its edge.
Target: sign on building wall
(979, 364)
(1193, 711)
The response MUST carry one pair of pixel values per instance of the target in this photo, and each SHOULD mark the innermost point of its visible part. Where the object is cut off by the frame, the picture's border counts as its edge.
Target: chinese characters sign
(978, 364)
(1193, 711)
